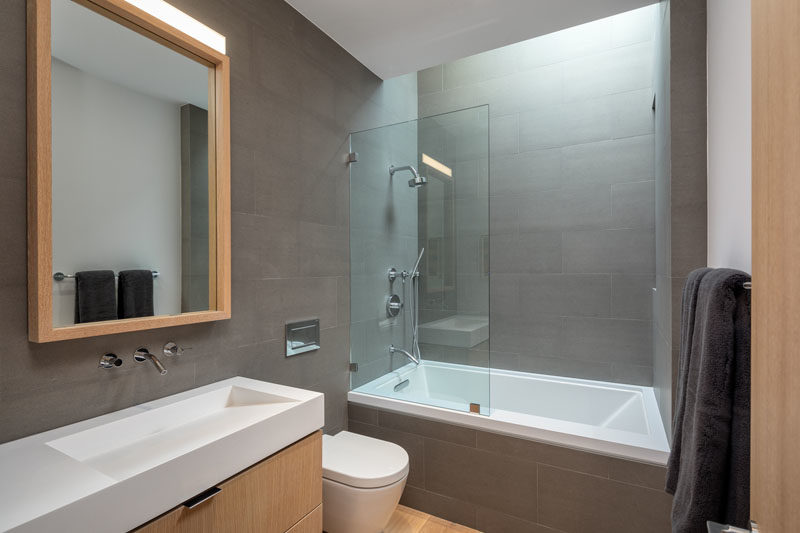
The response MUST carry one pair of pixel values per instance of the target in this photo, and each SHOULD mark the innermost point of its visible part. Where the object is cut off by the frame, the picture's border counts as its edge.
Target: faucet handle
(109, 360)
(171, 349)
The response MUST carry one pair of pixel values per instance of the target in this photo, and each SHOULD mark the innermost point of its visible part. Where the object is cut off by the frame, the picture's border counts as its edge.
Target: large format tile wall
(501, 484)
(571, 194)
(295, 96)
(680, 179)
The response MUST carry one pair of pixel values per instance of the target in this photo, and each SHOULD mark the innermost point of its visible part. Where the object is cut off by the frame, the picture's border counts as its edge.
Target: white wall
(729, 132)
(116, 186)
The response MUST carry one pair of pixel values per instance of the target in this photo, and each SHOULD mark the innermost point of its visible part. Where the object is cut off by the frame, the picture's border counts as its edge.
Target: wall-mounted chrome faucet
(393, 350)
(142, 354)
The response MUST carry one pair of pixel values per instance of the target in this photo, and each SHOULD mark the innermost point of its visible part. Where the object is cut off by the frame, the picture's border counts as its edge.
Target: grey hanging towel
(709, 467)
(135, 293)
(94, 296)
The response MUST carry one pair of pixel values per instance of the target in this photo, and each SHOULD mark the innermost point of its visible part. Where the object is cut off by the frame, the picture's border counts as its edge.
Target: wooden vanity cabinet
(282, 493)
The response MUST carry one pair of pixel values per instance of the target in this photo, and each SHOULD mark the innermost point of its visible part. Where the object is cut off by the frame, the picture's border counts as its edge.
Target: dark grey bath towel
(94, 296)
(709, 466)
(135, 296)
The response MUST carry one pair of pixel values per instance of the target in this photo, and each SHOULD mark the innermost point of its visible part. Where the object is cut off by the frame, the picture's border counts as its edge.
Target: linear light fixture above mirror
(181, 21)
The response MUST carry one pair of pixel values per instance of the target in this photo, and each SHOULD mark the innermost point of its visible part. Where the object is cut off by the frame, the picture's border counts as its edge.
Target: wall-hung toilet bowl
(362, 480)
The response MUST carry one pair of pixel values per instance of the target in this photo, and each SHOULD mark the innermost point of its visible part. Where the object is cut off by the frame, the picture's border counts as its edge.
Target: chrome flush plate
(302, 337)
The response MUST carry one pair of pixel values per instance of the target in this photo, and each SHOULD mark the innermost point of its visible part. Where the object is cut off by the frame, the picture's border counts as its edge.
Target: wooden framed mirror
(128, 172)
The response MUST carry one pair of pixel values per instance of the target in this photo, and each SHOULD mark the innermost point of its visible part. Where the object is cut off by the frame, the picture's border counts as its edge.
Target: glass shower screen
(419, 252)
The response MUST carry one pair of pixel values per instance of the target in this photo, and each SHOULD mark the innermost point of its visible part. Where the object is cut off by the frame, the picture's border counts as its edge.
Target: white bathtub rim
(650, 448)
(511, 429)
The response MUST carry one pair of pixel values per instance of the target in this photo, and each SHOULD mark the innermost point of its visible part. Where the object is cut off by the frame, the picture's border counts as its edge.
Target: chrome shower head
(416, 181)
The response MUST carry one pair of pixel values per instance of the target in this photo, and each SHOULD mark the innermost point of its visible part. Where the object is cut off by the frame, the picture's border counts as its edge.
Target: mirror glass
(131, 175)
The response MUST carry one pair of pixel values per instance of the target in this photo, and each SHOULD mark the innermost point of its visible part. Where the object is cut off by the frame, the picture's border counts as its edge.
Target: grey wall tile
(445, 507)
(662, 378)
(633, 205)
(615, 161)
(566, 124)
(362, 413)
(539, 452)
(513, 331)
(430, 80)
(526, 172)
(523, 90)
(426, 428)
(480, 67)
(566, 209)
(575, 502)
(632, 296)
(504, 134)
(633, 374)
(633, 27)
(608, 340)
(567, 294)
(481, 478)
(621, 69)
(503, 214)
(532, 253)
(646, 475)
(632, 113)
(491, 521)
(561, 366)
(617, 251)
(570, 43)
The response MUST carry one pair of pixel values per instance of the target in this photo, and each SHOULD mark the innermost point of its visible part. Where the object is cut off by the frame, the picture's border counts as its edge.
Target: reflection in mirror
(131, 181)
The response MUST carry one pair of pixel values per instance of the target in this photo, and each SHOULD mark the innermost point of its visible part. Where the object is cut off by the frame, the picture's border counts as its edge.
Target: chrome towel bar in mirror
(60, 276)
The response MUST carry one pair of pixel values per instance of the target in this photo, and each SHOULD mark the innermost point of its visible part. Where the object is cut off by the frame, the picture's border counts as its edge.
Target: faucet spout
(392, 350)
(143, 354)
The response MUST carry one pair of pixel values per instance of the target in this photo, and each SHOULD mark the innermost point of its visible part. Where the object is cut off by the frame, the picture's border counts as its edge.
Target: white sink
(137, 443)
(152, 456)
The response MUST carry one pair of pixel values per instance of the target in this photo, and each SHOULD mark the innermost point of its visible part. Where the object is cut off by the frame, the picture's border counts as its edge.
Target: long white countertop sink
(115, 472)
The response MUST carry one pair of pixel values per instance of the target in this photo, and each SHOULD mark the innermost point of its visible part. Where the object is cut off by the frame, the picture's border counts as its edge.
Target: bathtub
(606, 418)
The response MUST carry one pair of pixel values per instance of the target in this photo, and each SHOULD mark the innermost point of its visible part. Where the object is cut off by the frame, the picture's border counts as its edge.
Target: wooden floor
(407, 520)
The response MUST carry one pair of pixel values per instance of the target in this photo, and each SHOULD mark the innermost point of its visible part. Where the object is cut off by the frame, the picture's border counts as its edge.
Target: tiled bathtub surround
(680, 178)
(571, 187)
(295, 97)
(501, 484)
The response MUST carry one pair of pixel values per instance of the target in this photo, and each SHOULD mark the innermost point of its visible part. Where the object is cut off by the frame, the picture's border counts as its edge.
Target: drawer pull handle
(206, 495)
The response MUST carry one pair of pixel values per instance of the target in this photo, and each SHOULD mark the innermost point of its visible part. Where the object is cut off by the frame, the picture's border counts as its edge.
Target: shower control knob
(393, 306)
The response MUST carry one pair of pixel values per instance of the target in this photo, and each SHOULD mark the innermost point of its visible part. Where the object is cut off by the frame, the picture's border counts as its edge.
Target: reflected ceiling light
(434, 164)
(180, 20)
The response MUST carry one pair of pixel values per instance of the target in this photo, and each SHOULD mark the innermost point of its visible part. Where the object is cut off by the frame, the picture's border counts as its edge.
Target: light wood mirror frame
(40, 245)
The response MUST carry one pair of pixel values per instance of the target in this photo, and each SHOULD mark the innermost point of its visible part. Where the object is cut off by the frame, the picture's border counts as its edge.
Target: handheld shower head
(415, 271)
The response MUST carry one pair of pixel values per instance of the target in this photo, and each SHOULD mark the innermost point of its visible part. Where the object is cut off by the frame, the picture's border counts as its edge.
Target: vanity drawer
(311, 523)
(282, 491)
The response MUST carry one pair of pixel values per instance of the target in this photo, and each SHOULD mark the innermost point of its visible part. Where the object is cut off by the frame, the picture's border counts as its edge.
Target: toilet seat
(362, 462)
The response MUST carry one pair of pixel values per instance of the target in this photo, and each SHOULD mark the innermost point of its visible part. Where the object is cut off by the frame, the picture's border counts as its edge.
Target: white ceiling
(403, 36)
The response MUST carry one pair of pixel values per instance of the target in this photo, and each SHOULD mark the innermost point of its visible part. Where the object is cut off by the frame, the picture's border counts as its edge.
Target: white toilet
(362, 480)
